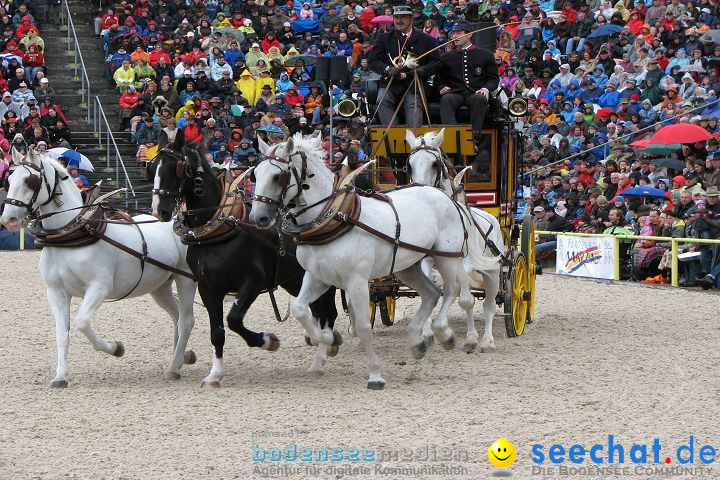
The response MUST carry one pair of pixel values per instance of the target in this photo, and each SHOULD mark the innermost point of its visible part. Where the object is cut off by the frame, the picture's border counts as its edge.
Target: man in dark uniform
(396, 44)
(469, 74)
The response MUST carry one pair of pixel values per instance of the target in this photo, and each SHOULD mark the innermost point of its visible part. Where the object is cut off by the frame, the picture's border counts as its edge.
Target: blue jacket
(609, 99)
(232, 55)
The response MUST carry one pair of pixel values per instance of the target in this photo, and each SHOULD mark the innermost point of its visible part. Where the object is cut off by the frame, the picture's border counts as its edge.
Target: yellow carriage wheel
(516, 296)
(373, 309)
(527, 247)
(387, 311)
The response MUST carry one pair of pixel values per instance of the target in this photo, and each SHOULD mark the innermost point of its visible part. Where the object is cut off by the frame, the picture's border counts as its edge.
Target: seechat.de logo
(617, 453)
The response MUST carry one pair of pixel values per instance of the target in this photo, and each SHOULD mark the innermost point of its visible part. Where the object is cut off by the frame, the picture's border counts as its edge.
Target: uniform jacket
(388, 45)
(467, 69)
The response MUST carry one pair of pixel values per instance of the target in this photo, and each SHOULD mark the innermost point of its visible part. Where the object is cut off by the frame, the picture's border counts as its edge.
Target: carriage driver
(469, 75)
(397, 44)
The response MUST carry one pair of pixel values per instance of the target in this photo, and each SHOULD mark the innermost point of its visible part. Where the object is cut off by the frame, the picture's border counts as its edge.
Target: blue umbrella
(606, 30)
(644, 191)
(72, 157)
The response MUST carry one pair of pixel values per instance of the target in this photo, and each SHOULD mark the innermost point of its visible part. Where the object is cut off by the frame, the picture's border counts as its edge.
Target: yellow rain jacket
(246, 85)
(189, 107)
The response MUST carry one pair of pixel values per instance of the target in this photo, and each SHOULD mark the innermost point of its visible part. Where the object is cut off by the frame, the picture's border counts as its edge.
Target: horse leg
(312, 288)
(471, 337)
(95, 295)
(213, 301)
(357, 290)
(59, 301)
(426, 266)
(325, 311)
(247, 292)
(186, 320)
(492, 285)
(416, 278)
(449, 269)
(165, 299)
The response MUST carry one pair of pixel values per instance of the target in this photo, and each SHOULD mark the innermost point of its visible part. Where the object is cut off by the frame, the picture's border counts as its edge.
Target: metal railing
(674, 244)
(112, 152)
(79, 63)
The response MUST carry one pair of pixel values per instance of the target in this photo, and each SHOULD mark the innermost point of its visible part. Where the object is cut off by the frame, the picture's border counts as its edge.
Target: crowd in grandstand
(29, 114)
(598, 76)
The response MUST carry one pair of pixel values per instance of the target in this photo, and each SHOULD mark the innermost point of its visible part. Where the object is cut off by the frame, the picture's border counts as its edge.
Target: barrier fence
(616, 239)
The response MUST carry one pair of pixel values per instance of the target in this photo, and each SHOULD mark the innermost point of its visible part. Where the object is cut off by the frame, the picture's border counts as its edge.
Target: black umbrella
(668, 163)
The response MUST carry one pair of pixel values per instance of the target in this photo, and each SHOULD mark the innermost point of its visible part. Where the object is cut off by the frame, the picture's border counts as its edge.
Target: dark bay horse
(247, 264)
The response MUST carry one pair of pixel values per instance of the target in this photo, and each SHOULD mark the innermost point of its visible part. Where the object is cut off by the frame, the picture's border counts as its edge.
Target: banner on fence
(585, 256)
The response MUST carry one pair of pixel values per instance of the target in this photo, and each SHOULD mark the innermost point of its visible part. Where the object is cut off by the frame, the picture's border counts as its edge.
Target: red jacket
(25, 27)
(31, 59)
(266, 44)
(129, 100)
(294, 100)
(108, 20)
(192, 133)
(156, 55)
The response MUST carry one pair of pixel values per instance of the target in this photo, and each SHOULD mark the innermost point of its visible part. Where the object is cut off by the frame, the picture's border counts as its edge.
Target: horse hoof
(449, 344)
(429, 339)
(333, 350)
(419, 350)
(119, 349)
(272, 343)
(316, 373)
(172, 375)
(308, 342)
(489, 348)
(469, 346)
(376, 385)
(337, 339)
(190, 357)
(59, 384)
(210, 384)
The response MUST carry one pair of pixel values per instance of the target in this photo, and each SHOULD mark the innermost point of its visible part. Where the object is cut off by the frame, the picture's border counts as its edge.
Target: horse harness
(86, 228)
(225, 223)
(448, 170)
(341, 212)
(35, 183)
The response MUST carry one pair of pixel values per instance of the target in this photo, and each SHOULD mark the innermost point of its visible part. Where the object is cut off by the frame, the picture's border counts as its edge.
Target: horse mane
(311, 146)
(56, 165)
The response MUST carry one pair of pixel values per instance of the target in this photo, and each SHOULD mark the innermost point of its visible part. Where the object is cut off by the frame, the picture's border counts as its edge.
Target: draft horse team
(297, 230)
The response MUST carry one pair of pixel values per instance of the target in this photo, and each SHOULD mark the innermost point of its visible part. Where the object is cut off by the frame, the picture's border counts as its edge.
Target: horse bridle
(441, 167)
(284, 178)
(184, 173)
(35, 182)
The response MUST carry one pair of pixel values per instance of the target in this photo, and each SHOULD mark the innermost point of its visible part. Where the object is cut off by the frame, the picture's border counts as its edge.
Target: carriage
(490, 184)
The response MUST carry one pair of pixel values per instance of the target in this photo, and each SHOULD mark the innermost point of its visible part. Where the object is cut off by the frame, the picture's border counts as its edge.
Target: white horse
(99, 271)
(428, 168)
(294, 175)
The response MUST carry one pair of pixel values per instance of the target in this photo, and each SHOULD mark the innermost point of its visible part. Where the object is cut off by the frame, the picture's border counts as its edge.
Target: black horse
(248, 263)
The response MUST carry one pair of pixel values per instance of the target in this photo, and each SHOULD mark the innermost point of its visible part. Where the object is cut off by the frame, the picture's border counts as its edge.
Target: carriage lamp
(518, 106)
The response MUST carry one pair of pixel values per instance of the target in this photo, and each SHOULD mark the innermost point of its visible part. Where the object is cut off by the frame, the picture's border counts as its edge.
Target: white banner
(585, 256)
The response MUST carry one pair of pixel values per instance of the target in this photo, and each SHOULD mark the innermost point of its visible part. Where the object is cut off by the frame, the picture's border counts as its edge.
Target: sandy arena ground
(628, 360)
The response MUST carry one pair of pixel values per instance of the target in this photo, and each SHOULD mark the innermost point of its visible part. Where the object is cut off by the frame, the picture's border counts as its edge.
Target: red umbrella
(716, 134)
(382, 19)
(640, 143)
(680, 133)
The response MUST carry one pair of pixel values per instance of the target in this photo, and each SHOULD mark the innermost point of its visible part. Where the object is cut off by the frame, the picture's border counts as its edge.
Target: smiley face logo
(502, 453)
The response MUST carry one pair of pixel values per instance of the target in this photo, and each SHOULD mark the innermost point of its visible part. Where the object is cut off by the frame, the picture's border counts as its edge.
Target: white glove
(411, 63)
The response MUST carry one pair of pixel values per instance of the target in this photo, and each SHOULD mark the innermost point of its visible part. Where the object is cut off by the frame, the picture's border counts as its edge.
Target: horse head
(426, 160)
(28, 188)
(291, 175)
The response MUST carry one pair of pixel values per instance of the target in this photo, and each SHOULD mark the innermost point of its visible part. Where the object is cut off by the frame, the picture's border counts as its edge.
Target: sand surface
(636, 362)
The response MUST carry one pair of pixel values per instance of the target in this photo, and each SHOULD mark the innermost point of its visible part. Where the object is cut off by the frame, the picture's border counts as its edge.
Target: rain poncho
(252, 57)
(283, 83)
(246, 85)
